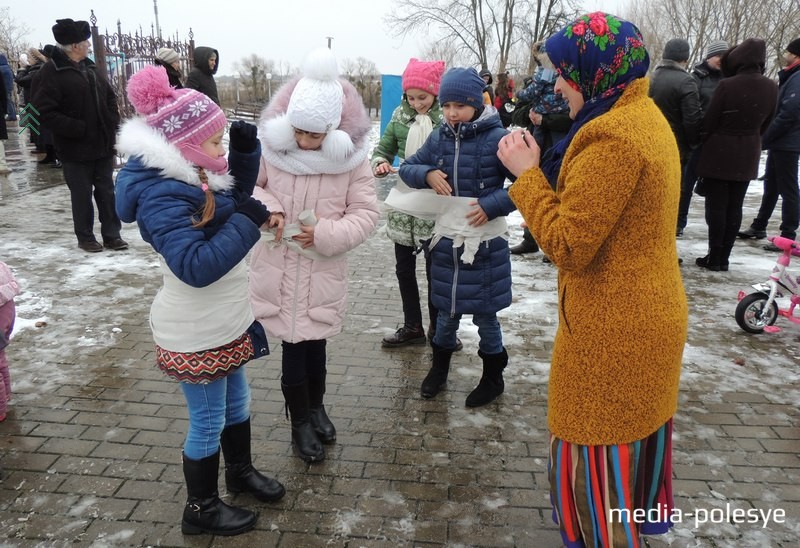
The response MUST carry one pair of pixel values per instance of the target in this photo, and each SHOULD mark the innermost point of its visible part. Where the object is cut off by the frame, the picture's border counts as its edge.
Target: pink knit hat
(424, 75)
(182, 116)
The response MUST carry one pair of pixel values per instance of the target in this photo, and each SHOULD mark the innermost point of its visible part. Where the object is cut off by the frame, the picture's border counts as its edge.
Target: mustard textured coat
(610, 229)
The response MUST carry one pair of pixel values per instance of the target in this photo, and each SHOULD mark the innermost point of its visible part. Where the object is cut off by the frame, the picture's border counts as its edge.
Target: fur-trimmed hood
(342, 149)
(136, 138)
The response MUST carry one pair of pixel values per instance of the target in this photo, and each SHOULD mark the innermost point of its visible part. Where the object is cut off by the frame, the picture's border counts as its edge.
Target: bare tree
(253, 70)
(364, 75)
(486, 32)
(702, 21)
(12, 36)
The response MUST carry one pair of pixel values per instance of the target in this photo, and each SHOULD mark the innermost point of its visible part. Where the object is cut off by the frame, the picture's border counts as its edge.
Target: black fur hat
(67, 31)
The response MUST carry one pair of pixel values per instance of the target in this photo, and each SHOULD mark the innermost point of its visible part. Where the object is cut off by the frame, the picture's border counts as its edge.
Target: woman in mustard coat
(609, 227)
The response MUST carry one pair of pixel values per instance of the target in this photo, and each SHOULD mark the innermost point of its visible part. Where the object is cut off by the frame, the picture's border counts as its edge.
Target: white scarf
(417, 134)
(450, 214)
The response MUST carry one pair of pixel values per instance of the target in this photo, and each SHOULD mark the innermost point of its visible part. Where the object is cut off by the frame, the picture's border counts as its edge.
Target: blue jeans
(212, 407)
(491, 335)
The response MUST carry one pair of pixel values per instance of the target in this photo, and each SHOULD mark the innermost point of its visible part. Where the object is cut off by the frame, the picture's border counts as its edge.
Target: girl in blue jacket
(202, 221)
(470, 261)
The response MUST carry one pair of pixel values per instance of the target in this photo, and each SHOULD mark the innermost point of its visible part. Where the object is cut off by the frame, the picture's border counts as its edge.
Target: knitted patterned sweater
(610, 229)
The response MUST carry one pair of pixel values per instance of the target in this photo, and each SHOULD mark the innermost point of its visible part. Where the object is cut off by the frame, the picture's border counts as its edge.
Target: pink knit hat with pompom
(182, 116)
(424, 75)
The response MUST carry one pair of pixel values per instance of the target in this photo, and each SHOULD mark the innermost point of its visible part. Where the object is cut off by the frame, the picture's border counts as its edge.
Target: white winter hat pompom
(316, 102)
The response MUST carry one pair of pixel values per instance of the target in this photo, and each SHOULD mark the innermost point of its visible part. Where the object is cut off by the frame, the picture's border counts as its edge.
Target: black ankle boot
(304, 440)
(436, 379)
(323, 426)
(204, 511)
(240, 474)
(406, 335)
(491, 384)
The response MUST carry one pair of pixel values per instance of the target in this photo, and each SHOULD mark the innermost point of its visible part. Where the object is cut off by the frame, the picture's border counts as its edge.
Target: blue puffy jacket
(469, 158)
(164, 208)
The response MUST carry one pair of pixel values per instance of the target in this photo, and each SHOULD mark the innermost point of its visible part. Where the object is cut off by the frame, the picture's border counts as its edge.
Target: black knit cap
(677, 49)
(67, 31)
(794, 46)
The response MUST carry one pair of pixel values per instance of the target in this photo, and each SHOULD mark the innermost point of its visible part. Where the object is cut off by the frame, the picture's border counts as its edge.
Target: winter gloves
(243, 137)
(253, 210)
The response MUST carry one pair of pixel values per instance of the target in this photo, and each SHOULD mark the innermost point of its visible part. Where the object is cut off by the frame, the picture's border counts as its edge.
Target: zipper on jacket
(455, 162)
(455, 283)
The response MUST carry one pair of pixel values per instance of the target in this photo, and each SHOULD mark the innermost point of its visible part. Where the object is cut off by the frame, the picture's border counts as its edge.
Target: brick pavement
(91, 446)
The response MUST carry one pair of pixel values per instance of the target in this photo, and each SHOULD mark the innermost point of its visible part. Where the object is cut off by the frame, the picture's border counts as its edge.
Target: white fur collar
(136, 138)
(338, 153)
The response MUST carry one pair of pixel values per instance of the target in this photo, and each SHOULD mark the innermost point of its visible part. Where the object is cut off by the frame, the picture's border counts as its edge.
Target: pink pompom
(149, 89)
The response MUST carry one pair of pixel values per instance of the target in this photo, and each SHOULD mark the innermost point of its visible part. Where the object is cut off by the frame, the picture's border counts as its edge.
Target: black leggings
(406, 270)
(302, 360)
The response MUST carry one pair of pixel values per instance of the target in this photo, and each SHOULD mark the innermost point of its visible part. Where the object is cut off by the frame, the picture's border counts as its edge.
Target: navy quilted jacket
(469, 157)
(163, 208)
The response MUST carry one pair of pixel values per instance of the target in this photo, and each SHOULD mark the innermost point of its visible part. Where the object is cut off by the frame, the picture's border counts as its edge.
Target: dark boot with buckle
(240, 474)
(323, 426)
(406, 335)
(436, 379)
(491, 384)
(304, 439)
(204, 511)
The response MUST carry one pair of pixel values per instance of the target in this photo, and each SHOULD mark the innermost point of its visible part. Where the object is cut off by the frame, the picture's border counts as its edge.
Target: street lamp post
(269, 86)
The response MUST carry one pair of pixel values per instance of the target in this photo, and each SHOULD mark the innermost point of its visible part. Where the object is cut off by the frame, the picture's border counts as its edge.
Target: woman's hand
(519, 152)
(437, 180)
(535, 118)
(277, 220)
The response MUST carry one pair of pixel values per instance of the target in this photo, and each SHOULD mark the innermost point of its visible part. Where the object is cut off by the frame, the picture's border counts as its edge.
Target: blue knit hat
(462, 85)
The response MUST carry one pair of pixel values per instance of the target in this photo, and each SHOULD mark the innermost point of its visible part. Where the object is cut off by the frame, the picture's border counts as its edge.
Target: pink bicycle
(757, 312)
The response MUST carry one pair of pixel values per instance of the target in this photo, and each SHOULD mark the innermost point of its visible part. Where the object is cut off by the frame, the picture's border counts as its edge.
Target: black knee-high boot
(323, 426)
(437, 376)
(304, 439)
(240, 474)
(491, 384)
(204, 511)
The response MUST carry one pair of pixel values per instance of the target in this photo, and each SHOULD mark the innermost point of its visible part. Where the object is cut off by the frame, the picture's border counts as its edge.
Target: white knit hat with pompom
(316, 102)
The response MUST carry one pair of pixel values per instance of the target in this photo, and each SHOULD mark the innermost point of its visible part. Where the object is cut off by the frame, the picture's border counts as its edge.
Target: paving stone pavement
(91, 447)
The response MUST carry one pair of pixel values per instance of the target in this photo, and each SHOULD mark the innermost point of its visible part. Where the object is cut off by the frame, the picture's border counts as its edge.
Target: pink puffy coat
(297, 298)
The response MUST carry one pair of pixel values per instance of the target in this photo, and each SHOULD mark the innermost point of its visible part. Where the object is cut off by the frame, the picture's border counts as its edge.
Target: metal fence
(120, 55)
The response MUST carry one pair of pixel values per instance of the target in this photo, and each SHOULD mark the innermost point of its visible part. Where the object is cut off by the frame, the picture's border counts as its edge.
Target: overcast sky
(281, 30)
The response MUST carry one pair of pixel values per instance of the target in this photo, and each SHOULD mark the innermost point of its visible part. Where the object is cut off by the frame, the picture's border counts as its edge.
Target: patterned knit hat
(424, 75)
(717, 47)
(316, 102)
(182, 116)
(462, 85)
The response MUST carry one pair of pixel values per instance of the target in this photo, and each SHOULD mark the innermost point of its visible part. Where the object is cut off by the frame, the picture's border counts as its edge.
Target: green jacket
(401, 228)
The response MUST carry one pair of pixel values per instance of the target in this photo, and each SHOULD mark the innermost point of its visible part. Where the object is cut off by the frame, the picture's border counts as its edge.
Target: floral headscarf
(598, 54)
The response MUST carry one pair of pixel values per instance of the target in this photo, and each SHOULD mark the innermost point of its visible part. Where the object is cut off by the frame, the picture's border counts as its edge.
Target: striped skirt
(607, 495)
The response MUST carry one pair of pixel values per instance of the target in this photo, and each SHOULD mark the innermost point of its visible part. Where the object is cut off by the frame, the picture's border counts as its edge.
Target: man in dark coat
(79, 106)
(782, 140)
(201, 77)
(676, 94)
(707, 75)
